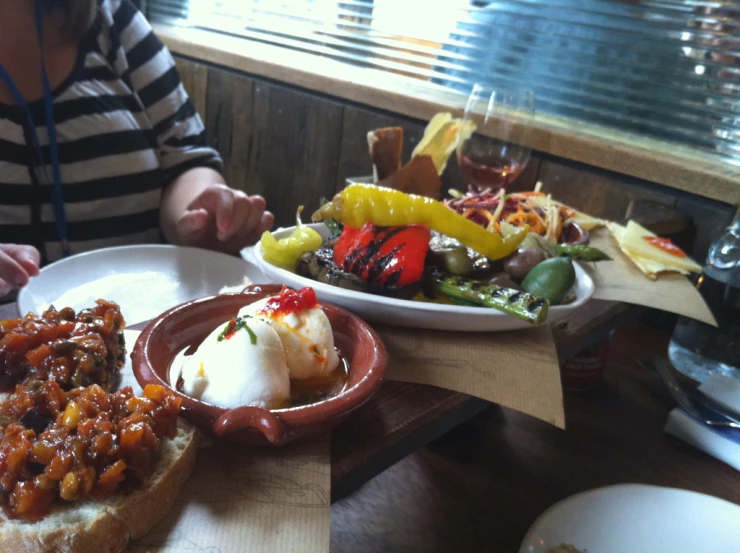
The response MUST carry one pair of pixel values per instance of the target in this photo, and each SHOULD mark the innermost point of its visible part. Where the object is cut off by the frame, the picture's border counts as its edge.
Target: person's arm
(198, 208)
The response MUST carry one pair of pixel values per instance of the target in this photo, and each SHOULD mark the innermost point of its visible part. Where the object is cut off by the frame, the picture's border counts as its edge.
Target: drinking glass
(697, 349)
(497, 153)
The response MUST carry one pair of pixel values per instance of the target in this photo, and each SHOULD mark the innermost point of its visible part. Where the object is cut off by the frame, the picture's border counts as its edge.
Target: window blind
(667, 69)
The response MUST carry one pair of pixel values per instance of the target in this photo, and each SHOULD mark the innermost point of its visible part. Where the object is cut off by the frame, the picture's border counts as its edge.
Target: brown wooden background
(293, 147)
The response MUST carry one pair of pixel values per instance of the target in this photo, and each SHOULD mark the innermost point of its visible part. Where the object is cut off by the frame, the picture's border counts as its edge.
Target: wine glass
(497, 153)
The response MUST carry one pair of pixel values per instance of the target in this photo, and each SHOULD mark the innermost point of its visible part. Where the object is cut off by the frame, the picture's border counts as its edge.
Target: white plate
(633, 518)
(412, 313)
(144, 280)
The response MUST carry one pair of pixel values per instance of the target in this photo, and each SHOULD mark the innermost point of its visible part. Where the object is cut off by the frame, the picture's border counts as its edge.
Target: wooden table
(482, 480)
(403, 417)
(481, 486)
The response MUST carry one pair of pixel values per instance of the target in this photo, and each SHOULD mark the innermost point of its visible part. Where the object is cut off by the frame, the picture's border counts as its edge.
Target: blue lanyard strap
(56, 191)
(31, 125)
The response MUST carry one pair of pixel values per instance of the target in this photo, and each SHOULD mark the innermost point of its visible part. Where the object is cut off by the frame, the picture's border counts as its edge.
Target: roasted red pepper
(291, 301)
(388, 256)
(664, 244)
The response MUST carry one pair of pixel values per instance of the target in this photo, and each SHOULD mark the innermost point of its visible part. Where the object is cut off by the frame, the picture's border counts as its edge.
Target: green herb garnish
(234, 325)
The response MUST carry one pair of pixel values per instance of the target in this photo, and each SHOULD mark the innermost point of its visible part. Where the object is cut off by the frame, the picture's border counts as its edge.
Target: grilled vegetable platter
(514, 255)
(372, 240)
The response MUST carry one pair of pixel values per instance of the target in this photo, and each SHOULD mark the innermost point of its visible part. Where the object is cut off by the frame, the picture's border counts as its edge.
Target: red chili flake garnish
(291, 301)
(664, 244)
(229, 331)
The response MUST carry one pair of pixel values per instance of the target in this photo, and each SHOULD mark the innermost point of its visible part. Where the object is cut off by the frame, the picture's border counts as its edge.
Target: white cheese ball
(307, 338)
(236, 372)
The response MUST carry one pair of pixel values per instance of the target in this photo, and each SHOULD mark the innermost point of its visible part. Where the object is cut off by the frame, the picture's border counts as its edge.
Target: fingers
(27, 257)
(247, 237)
(241, 215)
(224, 213)
(17, 264)
(224, 219)
(191, 225)
(11, 271)
(235, 211)
(218, 200)
(267, 220)
(257, 211)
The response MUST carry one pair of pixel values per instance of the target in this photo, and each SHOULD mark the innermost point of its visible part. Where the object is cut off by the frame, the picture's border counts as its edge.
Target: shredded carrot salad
(488, 209)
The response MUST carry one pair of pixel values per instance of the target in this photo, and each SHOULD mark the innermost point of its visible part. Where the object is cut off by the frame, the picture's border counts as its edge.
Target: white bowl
(409, 313)
(634, 518)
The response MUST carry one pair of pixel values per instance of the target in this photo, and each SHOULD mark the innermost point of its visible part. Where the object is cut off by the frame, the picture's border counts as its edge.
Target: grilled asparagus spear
(580, 252)
(516, 303)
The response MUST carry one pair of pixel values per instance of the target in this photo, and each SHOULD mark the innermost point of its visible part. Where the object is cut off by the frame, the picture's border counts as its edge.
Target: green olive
(552, 279)
(456, 262)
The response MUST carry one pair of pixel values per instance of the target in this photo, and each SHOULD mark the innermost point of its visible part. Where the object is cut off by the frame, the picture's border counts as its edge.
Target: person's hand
(223, 219)
(17, 264)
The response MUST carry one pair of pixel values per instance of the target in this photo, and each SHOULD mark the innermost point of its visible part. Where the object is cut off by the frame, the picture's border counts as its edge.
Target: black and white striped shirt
(125, 129)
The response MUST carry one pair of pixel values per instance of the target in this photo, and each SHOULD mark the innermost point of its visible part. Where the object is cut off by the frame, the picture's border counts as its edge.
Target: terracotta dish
(188, 324)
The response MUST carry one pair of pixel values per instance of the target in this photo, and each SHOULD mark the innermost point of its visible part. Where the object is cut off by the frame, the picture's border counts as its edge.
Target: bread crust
(107, 526)
(419, 176)
(386, 149)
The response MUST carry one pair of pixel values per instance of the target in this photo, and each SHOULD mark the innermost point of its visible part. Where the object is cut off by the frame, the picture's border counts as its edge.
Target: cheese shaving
(551, 218)
(499, 207)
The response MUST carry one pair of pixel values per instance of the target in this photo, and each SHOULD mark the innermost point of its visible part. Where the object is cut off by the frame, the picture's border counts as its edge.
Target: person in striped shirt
(133, 164)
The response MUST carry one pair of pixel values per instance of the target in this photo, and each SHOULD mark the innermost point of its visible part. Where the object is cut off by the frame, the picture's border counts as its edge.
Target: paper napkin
(720, 443)
(239, 498)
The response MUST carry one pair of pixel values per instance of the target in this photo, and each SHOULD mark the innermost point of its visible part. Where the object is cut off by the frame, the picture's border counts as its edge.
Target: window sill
(667, 164)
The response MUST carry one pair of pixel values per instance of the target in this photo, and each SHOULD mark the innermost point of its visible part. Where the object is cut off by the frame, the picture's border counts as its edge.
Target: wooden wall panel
(195, 80)
(229, 123)
(596, 193)
(295, 149)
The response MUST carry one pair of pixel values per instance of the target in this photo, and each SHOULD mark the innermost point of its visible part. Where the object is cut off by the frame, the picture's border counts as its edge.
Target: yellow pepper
(358, 204)
(286, 251)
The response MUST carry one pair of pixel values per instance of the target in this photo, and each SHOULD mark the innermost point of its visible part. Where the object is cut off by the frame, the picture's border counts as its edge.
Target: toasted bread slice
(88, 526)
(386, 148)
(418, 176)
